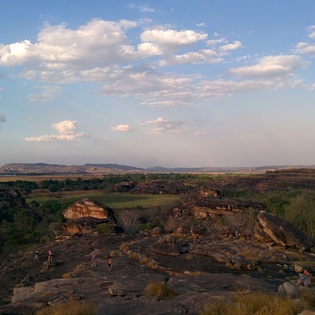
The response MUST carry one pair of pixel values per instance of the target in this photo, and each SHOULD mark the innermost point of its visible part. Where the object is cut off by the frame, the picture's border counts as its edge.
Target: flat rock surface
(205, 272)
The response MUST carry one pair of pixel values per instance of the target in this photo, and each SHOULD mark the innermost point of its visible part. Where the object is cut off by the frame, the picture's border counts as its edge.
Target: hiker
(93, 260)
(49, 255)
(37, 255)
(305, 276)
(109, 263)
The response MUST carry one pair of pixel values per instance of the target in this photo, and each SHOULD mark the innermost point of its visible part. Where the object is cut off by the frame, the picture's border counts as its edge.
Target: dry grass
(124, 246)
(258, 304)
(67, 275)
(69, 308)
(250, 254)
(160, 291)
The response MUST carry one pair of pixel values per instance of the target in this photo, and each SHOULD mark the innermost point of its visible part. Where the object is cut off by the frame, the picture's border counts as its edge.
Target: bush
(104, 228)
(300, 212)
(69, 308)
(159, 290)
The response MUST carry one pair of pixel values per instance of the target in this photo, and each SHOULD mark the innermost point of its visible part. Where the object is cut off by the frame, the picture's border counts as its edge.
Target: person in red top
(49, 255)
(305, 276)
(109, 263)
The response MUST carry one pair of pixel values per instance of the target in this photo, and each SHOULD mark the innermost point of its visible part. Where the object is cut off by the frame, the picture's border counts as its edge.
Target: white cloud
(163, 126)
(66, 130)
(100, 51)
(312, 31)
(60, 49)
(16, 53)
(271, 66)
(149, 49)
(65, 127)
(121, 128)
(202, 56)
(47, 138)
(305, 48)
(170, 40)
(213, 42)
(232, 46)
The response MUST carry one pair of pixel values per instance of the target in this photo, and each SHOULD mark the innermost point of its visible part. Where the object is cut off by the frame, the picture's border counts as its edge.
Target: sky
(172, 83)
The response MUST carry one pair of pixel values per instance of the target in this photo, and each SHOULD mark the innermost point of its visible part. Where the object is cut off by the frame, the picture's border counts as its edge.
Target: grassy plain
(113, 200)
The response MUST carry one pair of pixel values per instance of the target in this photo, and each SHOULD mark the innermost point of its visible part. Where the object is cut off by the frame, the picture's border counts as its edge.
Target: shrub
(104, 228)
(69, 308)
(300, 212)
(129, 220)
(159, 290)
(67, 275)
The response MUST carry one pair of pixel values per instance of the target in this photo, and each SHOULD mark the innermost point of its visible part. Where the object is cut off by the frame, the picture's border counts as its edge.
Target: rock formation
(283, 232)
(88, 208)
(83, 216)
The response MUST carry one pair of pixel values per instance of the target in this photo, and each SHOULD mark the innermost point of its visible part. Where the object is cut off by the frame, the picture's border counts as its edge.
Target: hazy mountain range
(90, 168)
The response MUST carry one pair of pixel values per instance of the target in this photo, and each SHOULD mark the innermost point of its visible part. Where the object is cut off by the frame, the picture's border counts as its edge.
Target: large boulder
(84, 215)
(282, 232)
(288, 290)
(88, 208)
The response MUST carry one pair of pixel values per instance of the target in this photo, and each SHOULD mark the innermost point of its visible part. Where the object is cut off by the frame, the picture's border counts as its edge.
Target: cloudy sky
(158, 83)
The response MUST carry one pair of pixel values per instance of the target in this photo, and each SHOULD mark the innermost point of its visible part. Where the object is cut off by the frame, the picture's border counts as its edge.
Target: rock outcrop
(283, 232)
(83, 217)
(88, 208)
(214, 207)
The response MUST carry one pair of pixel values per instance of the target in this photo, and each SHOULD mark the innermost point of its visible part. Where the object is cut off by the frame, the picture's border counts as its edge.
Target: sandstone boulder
(166, 246)
(283, 232)
(88, 208)
(288, 290)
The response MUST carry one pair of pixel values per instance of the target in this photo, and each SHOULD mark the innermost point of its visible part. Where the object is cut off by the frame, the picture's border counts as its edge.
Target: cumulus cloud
(153, 89)
(232, 46)
(202, 56)
(305, 47)
(163, 126)
(59, 48)
(271, 66)
(219, 48)
(121, 128)
(101, 51)
(66, 130)
(168, 41)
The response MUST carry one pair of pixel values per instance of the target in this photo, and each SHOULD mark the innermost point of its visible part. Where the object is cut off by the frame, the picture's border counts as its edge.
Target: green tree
(300, 212)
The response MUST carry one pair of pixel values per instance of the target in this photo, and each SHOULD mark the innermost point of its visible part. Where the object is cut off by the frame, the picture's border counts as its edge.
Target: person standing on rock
(109, 263)
(93, 260)
(37, 255)
(49, 255)
(305, 276)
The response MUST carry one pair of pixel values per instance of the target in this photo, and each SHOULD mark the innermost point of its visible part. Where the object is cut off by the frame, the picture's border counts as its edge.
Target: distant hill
(109, 168)
(50, 169)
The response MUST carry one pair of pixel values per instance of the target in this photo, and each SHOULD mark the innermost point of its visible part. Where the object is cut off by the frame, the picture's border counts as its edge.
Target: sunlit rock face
(87, 208)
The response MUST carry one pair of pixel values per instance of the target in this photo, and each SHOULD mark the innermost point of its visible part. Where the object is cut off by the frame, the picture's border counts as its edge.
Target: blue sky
(158, 83)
